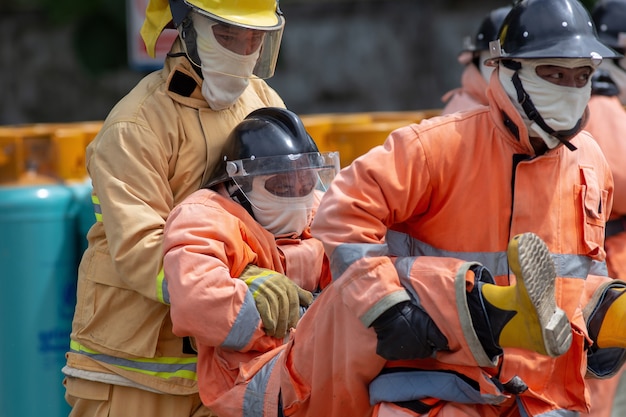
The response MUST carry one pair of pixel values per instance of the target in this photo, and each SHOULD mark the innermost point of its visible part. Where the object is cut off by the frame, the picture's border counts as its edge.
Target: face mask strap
(239, 197)
(188, 36)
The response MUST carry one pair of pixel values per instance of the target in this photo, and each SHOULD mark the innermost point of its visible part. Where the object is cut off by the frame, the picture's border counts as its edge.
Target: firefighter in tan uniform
(475, 74)
(607, 125)
(158, 145)
(239, 257)
(467, 252)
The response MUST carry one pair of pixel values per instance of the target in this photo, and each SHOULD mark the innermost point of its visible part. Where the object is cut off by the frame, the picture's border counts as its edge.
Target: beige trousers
(96, 399)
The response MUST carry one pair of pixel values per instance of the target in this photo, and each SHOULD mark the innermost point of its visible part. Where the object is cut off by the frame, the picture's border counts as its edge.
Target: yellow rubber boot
(612, 333)
(537, 324)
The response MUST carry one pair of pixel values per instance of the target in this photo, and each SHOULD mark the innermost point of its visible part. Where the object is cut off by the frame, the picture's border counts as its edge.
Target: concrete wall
(336, 56)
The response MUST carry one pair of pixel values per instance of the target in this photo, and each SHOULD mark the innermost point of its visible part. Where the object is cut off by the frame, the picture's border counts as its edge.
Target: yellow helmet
(253, 14)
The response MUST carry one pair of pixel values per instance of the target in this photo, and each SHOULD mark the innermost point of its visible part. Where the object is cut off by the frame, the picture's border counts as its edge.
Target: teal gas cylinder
(39, 254)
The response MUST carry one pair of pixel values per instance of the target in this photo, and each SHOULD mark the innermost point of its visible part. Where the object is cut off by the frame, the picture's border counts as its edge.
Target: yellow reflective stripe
(161, 288)
(255, 282)
(164, 375)
(96, 207)
(162, 367)
(80, 348)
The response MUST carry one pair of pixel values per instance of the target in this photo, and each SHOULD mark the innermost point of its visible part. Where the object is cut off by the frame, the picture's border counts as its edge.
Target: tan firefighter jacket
(157, 146)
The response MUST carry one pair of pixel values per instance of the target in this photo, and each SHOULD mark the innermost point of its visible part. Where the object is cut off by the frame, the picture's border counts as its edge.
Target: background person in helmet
(475, 74)
(159, 144)
(607, 124)
(458, 188)
(610, 18)
(231, 246)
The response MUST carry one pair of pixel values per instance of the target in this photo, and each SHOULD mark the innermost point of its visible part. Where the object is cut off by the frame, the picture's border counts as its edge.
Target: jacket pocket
(593, 206)
(85, 389)
(116, 321)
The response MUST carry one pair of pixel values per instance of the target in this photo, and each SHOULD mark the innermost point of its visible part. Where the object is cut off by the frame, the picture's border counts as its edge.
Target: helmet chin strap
(531, 111)
(187, 34)
(239, 197)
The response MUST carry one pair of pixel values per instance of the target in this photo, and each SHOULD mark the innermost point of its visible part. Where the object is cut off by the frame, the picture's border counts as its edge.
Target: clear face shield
(253, 46)
(284, 190)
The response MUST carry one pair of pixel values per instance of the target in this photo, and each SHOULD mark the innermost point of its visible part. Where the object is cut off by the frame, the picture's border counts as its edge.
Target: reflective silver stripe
(404, 266)
(567, 266)
(419, 384)
(401, 244)
(97, 209)
(553, 413)
(573, 266)
(244, 326)
(254, 397)
(163, 294)
(162, 367)
(348, 253)
(599, 268)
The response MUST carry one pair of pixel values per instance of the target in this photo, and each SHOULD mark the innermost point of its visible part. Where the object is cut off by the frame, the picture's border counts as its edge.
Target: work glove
(405, 331)
(278, 299)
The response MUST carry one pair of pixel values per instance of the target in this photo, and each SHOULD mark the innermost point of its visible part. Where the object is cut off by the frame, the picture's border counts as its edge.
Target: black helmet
(489, 29)
(609, 16)
(549, 29)
(268, 141)
(271, 131)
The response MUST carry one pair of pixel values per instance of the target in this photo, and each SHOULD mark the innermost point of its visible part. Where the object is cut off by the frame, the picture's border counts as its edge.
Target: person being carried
(239, 259)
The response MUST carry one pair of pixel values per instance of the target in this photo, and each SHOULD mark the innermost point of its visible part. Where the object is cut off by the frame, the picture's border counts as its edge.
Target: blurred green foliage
(99, 30)
(589, 3)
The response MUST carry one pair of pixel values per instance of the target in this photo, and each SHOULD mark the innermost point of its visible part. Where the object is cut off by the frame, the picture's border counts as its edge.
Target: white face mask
(226, 73)
(560, 107)
(618, 75)
(279, 215)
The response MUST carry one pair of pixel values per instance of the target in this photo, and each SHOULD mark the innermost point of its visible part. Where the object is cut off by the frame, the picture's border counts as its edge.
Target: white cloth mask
(226, 73)
(560, 107)
(279, 215)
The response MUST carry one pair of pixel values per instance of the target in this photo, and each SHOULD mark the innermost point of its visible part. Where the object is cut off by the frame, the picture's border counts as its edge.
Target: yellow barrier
(414, 116)
(319, 125)
(55, 152)
(44, 153)
(353, 134)
(353, 141)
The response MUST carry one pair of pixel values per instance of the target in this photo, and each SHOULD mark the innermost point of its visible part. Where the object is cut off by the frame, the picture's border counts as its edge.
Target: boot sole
(539, 276)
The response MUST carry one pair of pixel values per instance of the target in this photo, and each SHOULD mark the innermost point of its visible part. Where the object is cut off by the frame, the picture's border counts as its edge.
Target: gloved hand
(277, 298)
(405, 331)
